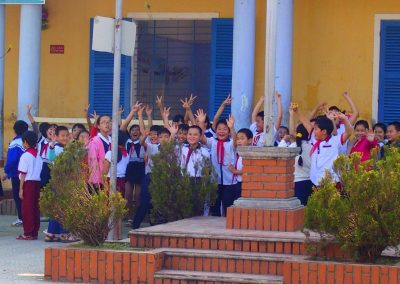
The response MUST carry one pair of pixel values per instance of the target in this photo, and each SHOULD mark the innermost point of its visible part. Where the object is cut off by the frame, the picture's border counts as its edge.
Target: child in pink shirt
(365, 140)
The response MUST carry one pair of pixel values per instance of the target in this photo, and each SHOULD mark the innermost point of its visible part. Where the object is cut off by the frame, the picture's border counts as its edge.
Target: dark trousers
(226, 195)
(55, 228)
(30, 208)
(15, 192)
(303, 190)
(44, 175)
(145, 203)
(216, 208)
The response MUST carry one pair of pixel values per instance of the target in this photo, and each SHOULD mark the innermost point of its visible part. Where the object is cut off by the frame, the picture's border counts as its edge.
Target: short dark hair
(221, 121)
(396, 125)
(83, 132)
(246, 132)
(196, 127)
(284, 127)
(78, 125)
(30, 138)
(164, 131)
(61, 128)
(43, 127)
(325, 123)
(155, 128)
(261, 114)
(100, 117)
(362, 123)
(183, 127)
(133, 126)
(380, 125)
(335, 108)
(178, 118)
(20, 127)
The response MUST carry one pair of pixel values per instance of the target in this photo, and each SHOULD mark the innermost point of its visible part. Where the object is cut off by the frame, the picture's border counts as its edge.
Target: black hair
(164, 130)
(196, 127)
(100, 117)
(83, 131)
(78, 125)
(313, 119)
(20, 127)
(261, 114)
(61, 128)
(183, 127)
(362, 123)
(122, 138)
(380, 125)
(301, 135)
(156, 128)
(221, 121)
(43, 127)
(133, 126)
(30, 138)
(335, 108)
(284, 127)
(396, 125)
(207, 122)
(325, 123)
(246, 132)
(178, 118)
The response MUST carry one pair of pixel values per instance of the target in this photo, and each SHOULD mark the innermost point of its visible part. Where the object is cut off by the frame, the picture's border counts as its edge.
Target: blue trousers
(55, 228)
(145, 203)
(15, 192)
(303, 190)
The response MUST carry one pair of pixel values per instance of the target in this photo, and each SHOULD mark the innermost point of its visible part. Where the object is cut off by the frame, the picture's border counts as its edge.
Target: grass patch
(108, 246)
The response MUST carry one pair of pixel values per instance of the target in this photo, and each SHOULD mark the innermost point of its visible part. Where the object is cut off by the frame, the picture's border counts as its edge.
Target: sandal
(68, 239)
(51, 238)
(25, 238)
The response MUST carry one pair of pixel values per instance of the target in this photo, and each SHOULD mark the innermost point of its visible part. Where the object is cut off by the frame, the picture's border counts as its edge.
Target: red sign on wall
(57, 49)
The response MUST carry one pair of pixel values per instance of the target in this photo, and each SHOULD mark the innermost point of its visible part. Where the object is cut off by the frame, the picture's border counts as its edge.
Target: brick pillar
(267, 201)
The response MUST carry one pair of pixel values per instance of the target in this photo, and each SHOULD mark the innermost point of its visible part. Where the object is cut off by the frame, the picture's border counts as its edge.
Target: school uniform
(31, 164)
(223, 155)
(259, 136)
(135, 169)
(97, 148)
(121, 170)
(43, 149)
(209, 133)
(14, 153)
(302, 183)
(238, 166)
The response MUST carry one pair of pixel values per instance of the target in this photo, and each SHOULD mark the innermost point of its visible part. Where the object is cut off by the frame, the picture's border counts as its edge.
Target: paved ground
(23, 261)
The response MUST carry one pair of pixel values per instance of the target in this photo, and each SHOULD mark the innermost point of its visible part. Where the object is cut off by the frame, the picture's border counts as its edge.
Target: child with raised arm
(364, 140)
(29, 167)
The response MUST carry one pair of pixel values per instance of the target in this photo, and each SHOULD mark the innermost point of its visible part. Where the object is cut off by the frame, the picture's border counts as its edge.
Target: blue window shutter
(389, 72)
(221, 64)
(101, 80)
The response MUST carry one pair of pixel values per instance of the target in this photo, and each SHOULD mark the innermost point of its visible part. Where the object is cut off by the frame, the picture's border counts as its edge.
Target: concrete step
(226, 261)
(183, 277)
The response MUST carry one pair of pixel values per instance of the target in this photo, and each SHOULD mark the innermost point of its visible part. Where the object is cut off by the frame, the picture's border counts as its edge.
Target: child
(257, 118)
(76, 129)
(29, 167)
(222, 155)
(244, 137)
(192, 159)
(182, 134)
(380, 132)
(393, 134)
(364, 140)
(14, 153)
(48, 134)
(84, 137)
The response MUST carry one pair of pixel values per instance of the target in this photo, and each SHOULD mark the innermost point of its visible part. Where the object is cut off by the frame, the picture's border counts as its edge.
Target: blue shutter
(389, 72)
(101, 80)
(221, 64)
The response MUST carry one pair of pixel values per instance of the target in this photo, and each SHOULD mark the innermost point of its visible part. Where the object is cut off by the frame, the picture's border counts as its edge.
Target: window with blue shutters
(389, 72)
(101, 80)
(221, 64)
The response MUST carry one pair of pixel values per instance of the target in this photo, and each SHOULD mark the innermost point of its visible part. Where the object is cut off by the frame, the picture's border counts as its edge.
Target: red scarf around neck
(316, 145)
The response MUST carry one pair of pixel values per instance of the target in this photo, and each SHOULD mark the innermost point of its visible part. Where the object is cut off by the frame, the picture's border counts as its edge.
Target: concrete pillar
(284, 51)
(243, 62)
(2, 54)
(29, 59)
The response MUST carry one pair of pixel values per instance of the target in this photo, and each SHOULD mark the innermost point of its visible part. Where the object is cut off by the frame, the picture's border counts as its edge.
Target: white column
(2, 54)
(29, 59)
(284, 47)
(243, 62)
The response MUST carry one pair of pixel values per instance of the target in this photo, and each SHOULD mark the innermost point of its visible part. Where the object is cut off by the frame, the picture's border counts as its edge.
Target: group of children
(321, 139)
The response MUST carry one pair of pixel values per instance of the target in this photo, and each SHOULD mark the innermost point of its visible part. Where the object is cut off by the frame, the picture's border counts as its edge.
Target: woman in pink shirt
(365, 140)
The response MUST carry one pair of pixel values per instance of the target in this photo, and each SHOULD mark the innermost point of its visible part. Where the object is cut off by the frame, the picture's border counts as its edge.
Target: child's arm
(354, 110)
(373, 142)
(173, 129)
(165, 116)
(141, 126)
(220, 110)
(292, 123)
(348, 129)
(128, 119)
(332, 115)
(231, 124)
(235, 171)
(201, 117)
(149, 111)
(34, 124)
(278, 120)
(256, 109)
(187, 105)
(317, 108)
(21, 185)
(160, 104)
(87, 116)
(304, 120)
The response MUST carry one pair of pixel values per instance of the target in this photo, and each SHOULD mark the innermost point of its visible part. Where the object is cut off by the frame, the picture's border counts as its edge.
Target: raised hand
(149, 110)
(159, 101)
(227, 101)
(120, 110)
(166, 111)
(185, 103)
(341, 116)
(86, 109)
(332, 115)
(201, 115)
(28, 109)
(230, 121)
(346, 95)
(136, 107)
(278, 95)
(173, 129)
(140, 110)
(294, 107)
(371, 135)
(94, 116)
(191, 99)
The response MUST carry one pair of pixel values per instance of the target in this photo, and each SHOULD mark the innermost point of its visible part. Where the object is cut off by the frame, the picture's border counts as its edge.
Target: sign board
(57, 49)
(41, 2)
(103, 36)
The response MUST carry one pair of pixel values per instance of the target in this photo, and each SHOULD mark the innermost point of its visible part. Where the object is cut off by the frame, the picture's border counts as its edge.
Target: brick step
(183, 277)
(226, 261)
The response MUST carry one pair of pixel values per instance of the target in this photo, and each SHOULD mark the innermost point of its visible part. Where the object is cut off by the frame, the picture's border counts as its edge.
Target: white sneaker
(17, 223)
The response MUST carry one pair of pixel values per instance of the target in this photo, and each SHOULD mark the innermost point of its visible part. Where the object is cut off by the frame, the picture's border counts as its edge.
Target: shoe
(17, 223)
(26, 238)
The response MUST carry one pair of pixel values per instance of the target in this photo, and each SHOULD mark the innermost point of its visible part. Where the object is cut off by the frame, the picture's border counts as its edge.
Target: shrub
(67, 199)
(174, 194)
(365, 216)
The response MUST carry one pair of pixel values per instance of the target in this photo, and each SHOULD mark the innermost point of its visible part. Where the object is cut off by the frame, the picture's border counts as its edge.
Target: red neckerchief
(316, 145)
(44, 148)
(123, 151)
(32, 151)
(190, 153)
(257, 138)
(220, 151)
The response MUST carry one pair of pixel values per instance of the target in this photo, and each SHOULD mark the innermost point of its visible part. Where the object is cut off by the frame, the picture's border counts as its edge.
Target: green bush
(365, 216)
(174, 194)
(67, 199)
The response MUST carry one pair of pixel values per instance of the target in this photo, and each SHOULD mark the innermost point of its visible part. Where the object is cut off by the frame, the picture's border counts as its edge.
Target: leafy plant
(67, 199)
(365, 216)
(174, 194)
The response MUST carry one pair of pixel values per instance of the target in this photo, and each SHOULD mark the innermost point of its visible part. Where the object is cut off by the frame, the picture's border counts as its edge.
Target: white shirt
(195, 163)
(30, 165)
(344, 148)
(322, 159)
(43, 149)
(225, 176)
(121, 165)
(239, 166)
(258, 137)
(133, 156)
(151, 150)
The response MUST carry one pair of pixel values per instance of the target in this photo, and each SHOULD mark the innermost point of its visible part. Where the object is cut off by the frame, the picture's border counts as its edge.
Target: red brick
(62, 271)
(322, 272)
(331, 273)
(279, 247)
(47, 262)
(85, 266)
(285, 178)
(246, 177)
(252, 219)
(189, 243)
(262, 247)
(183, 263)
(101, 269)
(277, 170)
(70, 265)
(221, 244)
(282, 220)
(295, 248)
(142, 268)
(246, 245)
(236, 218)
(207, 264)
(238, 245)
(384, 275)
(263, 178)
(264, 268)
(252, 186)
(126, 266)
(223, 265)
(55, 264)
(279, 268)
(312, 277)
(272, 269)
(198, 264)
(246, 192)
(274, 220)
(205, 243)
(229, 218)
(133, 241)
(339, 273)
(278, 186)
(246, 162)
(304, 272)
(230, 245)
(181, 243)
(254, 246)
(214, 264)
(393, 275)
(157, 242)
(244, 218)
(173, 242)
(93, 260)
(231, 266)
(117, 268)
(290, 221)
(247, 265)
(197, 243)
(259, 219)
(253, 169)
(263, 162)
(141, 242)
(285, 163)
(190, 264)
(287, 272)
(78, 264)
(135, 268)
(271, 247)
(287, 247)
(267, 220)
(239, 266)
(296, 273)
(165, 241)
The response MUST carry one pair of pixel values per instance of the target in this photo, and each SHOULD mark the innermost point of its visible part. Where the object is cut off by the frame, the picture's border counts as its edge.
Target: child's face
(260, 124)
(319, 134)
(63, 137)
(25, 144)
(222, 131)
(242, 140)
(104, 125)
(182, 135)
(153, 137)
(84, 138)
(392, 134)
(193, 136)
(163, 138)
(50, 132)
(75, 132)
(282, 132)
(135, 133)
(379, 133)
(360, 131)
